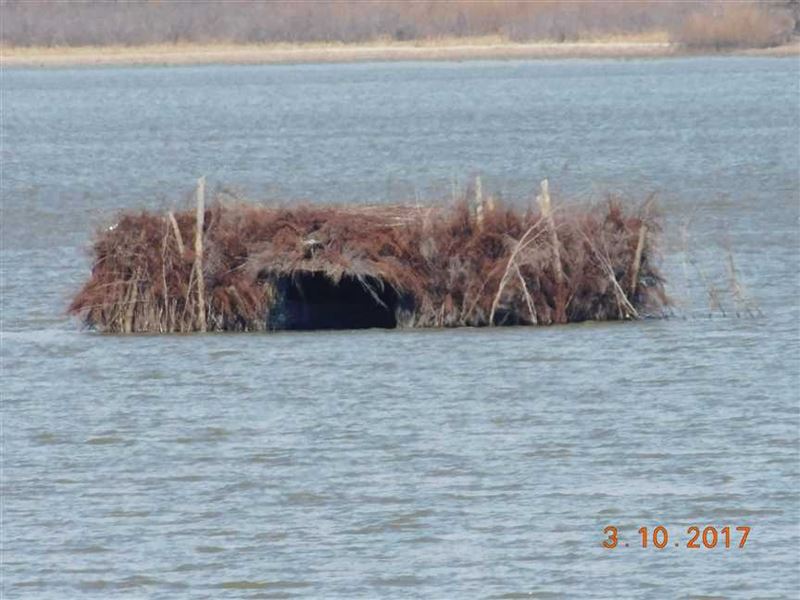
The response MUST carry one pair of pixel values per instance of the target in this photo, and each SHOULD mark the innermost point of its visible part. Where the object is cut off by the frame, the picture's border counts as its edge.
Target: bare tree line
(135, 22)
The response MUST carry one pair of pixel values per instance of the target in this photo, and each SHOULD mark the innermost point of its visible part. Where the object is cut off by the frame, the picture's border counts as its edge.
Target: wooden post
(478, 202)
(637, 259)
(198, 254)
(546, 207)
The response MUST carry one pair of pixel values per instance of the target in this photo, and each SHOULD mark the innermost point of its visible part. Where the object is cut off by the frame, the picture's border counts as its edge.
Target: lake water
(439, 464)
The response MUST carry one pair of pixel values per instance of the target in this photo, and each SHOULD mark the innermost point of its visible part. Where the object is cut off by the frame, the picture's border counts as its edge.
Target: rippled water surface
(442, 464)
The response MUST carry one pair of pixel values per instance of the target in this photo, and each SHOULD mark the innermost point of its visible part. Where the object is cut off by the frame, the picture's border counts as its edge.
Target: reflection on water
(402, 463)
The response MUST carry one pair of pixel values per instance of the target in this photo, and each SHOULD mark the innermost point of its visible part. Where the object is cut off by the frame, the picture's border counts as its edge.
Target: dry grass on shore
(89, 32)
(735, 26)
(143, 22)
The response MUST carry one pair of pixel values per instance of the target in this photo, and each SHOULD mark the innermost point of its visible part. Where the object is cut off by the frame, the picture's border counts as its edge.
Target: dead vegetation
(136, 22)
(736, 25)
(143, 22)
(472, 263)
(724, 292)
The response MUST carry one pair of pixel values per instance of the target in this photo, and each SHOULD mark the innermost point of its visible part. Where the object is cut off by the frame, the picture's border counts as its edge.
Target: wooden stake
(547, 214)
(478, 202)
(198, 254)
(637, 259)
(164, 282)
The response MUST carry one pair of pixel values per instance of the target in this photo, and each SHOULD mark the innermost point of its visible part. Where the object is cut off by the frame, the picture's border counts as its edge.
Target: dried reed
(443, 267)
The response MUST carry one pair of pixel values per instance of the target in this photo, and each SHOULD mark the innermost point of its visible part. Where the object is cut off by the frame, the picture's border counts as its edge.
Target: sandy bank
(454, 49)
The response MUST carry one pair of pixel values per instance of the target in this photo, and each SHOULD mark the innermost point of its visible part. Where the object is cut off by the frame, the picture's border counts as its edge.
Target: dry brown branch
(528, 299)
(177, 231)
(626, 309)
(520, 245)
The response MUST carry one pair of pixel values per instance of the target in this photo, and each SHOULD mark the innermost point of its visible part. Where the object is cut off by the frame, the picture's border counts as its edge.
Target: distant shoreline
(454, 49)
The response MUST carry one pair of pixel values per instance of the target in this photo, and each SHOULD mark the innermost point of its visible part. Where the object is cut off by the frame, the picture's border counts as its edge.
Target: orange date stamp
(697, 537)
